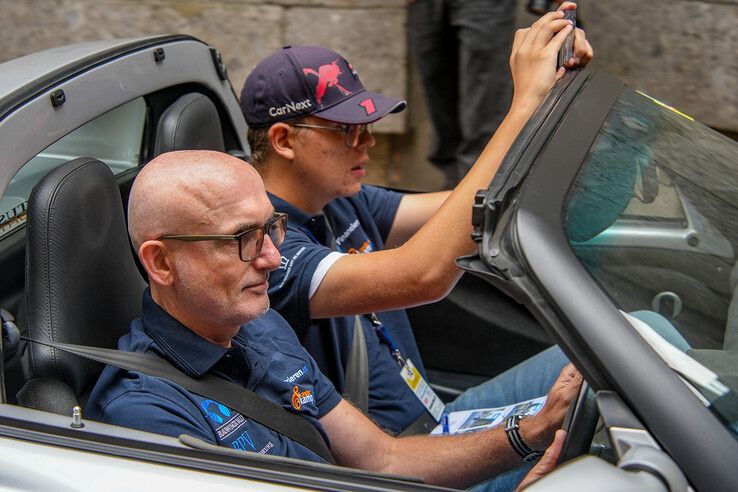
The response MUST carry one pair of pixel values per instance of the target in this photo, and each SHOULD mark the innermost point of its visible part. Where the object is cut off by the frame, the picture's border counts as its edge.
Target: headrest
(191, 123)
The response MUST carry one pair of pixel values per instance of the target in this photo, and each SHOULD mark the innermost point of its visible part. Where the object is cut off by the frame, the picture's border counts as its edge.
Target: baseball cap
(300, 81)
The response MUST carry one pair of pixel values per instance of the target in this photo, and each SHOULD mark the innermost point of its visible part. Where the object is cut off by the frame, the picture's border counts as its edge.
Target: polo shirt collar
(295, 216)
(187, 350)
(317, 225)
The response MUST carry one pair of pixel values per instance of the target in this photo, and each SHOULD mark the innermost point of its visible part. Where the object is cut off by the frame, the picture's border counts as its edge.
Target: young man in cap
(357, 250)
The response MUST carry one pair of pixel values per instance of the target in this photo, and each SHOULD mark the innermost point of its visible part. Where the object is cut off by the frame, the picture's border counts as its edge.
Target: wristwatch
(512, 429)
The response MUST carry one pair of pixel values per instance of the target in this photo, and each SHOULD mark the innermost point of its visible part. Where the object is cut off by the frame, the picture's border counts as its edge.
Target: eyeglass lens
(357, 135)
(252, 241)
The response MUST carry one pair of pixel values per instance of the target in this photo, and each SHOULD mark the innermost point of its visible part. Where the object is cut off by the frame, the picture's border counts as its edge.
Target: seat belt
(356, 374)
(356, 378)
(240, 399)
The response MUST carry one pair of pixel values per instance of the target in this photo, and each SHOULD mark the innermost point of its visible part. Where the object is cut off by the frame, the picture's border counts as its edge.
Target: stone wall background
(684, 52)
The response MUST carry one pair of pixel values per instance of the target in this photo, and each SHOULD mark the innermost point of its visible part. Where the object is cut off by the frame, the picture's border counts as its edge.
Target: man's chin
(351, 190)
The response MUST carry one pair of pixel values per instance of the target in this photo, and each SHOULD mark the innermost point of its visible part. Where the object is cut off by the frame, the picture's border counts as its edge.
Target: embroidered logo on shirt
(301, 398)
(364, 248)
(297, 375)
(345, 234)
(266, 447)
(229, 427)
(217, 412)
(244, 442)
(286, 264)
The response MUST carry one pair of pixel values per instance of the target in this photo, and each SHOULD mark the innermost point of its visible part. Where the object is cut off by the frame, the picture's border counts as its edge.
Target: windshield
(653, 216)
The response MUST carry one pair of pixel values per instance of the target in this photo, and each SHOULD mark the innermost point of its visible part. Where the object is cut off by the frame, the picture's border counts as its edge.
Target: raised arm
(414, 211)
(422, 269)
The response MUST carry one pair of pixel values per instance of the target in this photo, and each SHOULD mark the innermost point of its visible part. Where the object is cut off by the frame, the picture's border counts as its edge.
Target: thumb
(547, 463)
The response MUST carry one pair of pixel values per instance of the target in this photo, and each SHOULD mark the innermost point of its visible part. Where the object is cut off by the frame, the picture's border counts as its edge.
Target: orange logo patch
(300, 398)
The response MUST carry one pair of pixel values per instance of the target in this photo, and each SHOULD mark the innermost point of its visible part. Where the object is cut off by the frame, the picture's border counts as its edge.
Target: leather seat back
(82, 285)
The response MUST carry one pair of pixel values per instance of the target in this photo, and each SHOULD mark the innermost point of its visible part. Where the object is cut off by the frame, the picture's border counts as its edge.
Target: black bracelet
(512, 429)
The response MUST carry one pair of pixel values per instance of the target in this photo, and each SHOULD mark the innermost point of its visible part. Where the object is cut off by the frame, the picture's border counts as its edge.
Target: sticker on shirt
(301, 397)
(422, 389)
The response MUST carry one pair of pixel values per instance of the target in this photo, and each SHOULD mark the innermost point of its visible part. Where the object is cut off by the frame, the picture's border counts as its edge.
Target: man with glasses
(206, 234)
(309, 122)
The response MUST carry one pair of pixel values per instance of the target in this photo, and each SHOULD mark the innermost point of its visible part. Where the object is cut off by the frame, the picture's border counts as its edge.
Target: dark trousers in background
(462, 50)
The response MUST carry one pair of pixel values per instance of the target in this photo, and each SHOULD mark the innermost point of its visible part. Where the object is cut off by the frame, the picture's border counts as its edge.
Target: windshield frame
(562, 294)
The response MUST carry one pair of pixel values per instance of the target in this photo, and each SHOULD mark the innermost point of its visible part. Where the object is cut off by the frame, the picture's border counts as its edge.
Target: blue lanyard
(384, 337)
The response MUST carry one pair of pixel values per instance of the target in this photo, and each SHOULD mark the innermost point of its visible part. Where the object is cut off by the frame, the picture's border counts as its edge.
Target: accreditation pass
(422, 389)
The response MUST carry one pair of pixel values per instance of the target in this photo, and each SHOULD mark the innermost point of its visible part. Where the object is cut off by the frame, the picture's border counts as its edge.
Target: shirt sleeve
(289, 285)
(321, 270)
(154, 412)
(383, 205)
(326, 395)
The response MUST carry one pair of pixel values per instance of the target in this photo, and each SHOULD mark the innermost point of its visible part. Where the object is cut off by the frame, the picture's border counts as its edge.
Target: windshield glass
(653, 216)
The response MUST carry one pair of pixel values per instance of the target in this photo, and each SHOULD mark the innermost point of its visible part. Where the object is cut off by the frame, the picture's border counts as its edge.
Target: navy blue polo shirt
(264, 357)
(360, 224)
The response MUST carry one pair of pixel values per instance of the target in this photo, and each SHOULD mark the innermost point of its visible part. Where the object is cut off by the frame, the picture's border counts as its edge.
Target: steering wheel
(580, 424)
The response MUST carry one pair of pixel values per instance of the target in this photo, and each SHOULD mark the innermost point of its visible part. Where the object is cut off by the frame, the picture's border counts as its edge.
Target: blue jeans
(533, 378)
(529, 379)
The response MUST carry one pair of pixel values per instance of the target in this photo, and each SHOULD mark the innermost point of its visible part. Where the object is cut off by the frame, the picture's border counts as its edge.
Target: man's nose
(269, 256)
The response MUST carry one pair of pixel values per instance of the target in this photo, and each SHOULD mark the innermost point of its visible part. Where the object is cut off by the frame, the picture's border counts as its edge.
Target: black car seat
(190, 123)
(82, 285)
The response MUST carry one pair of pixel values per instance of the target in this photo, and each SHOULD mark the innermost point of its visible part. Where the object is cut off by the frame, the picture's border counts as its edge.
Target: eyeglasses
(250, 241)
(356, 135)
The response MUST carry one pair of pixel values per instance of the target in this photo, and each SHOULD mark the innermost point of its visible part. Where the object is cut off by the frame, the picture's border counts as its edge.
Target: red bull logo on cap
(327, 77)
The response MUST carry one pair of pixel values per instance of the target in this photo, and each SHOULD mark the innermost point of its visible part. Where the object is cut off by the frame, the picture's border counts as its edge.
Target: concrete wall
(245, 31)
(684, 52)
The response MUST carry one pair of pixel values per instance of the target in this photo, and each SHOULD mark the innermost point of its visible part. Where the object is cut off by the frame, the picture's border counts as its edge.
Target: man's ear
(155, 258)
(280, 138)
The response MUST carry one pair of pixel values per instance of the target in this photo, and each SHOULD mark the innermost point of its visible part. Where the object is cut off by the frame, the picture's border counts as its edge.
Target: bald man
(206, 234)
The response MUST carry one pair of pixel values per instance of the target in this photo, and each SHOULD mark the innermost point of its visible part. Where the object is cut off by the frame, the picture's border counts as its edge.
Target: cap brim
(362, 107)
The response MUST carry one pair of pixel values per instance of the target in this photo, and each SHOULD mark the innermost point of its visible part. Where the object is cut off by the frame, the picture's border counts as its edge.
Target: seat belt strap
(356, 379)
(356, 373)
(234, 396)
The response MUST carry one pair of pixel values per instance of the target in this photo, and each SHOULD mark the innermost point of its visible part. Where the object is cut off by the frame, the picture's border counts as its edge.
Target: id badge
(422, 389)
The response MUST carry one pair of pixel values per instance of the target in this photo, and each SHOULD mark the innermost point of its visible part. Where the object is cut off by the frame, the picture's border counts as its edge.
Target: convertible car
(612, 213)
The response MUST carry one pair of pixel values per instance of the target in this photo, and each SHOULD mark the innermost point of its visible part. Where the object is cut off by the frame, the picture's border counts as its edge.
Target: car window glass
(114, 138)
(653, 216)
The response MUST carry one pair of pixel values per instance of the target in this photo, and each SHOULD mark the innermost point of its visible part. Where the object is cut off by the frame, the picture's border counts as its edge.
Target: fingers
(583, 52)
(569, 373)
(554, 44)
(547, 463)
(550, 457)
(546, 27)
(567, 6)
